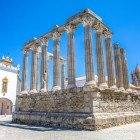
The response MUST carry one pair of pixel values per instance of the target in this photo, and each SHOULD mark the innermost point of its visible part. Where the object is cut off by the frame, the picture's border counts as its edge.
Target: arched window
(4, 85)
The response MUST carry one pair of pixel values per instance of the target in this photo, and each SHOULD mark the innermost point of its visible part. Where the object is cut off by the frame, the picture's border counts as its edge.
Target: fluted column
(38, 68)
(34, 70)
(109, 61)
(71, 58)
(124, 69)
(24, 72)
(90, 78)
(56, 62)
(100, 59)
(44, 66)
(62, 76)
(118, 67)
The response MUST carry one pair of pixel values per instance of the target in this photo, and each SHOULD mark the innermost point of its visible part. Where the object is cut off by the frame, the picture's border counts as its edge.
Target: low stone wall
(79, 108)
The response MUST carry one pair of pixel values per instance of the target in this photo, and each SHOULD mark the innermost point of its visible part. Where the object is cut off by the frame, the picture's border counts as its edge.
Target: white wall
(12, 85)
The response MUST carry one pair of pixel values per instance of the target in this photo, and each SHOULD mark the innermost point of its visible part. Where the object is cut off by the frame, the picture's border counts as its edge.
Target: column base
(90, 83)
(134, 91)
(103, 86)
(114, 87)
(120, 89)
(33, 91)
(43, 90)
(56, 88)
(71, 86)
(24, 92)
(129, 90)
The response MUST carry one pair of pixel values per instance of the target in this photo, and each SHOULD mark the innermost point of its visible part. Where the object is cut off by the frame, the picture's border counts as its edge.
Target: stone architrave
(71, 59)
(44, 66)
(24, 72)
(56, 62)
(109, 60)
(90, 78)
(100, 56)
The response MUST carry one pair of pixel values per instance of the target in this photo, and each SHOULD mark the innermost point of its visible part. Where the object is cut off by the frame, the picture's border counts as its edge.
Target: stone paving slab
(9, 131)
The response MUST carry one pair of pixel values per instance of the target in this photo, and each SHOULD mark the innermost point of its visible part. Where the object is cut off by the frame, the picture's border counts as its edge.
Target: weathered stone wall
(111, 102)
(82, 108)
(112, 108)
(73, 100)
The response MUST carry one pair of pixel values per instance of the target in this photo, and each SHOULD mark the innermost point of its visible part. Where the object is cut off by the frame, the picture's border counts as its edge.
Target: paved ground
(9, 131)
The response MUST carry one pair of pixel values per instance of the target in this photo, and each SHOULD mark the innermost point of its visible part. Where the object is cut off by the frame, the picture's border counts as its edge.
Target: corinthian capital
(107, 33)
(87, 20)
(44, 41)
(35, 46)
(97, 26)
(122, 50)
(25, 52)
(56, 35)
(70, 27)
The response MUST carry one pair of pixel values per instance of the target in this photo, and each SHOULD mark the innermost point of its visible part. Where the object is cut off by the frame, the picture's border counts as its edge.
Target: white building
(9, 81)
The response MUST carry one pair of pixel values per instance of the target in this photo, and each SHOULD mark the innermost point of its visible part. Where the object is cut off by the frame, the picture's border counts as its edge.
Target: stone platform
(78, 108)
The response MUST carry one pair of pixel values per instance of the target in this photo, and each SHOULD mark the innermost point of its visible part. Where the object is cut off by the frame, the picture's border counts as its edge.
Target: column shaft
(118, 67)
(63, 76)
(71, 60)
(110, 64)
(124, 69)
(24, 73)
(37, 71)
(34, 76)
(100, 60)
(56, 65)
(44, 67)
(90, 80)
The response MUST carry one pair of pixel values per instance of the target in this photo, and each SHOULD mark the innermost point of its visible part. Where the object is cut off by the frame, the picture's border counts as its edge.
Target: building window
(4, 85)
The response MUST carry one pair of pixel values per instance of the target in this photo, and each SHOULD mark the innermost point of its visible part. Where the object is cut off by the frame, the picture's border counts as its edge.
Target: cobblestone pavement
(9, 131)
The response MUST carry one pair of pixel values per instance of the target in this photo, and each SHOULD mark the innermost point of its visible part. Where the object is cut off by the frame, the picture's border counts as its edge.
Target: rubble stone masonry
(78, 108)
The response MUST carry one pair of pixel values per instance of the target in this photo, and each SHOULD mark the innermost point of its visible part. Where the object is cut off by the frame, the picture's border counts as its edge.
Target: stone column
(24, 73)
(34, 75)
(118, 67)
(100, 59)
(124, 69)
(71, 59)
(109, 61)
(38, 68)
(44, 66)
(56, 62)
(62, 76)
(90, 78)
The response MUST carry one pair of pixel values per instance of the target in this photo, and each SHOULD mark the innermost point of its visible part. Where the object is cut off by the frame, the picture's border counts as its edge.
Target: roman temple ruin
(96, 105)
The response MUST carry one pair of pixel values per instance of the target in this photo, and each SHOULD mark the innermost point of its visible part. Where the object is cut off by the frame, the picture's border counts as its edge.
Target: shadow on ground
(9, 123)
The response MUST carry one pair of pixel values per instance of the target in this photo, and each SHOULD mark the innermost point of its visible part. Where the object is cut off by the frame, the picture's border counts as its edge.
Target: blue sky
(21, 20)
